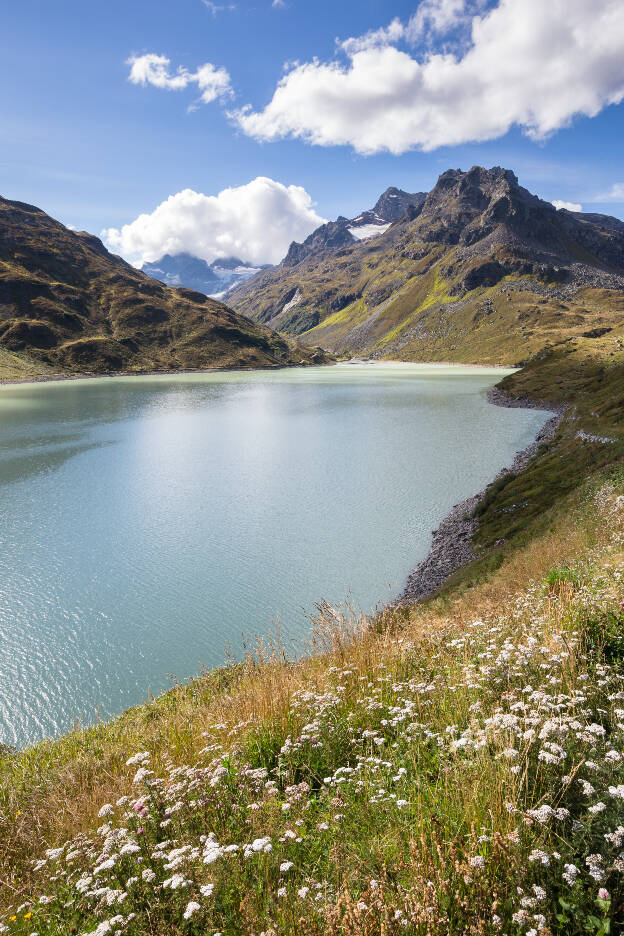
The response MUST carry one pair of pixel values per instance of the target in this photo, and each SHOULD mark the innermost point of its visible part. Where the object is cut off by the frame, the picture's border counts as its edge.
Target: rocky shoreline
(452, 543)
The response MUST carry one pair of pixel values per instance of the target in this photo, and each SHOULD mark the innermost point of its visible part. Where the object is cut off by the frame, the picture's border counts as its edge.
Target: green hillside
(68, 306)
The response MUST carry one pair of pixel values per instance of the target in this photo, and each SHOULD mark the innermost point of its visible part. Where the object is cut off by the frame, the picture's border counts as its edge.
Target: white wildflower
(130, 849)
(597, 808)
(191, 907)
(541, 856)
(142, 774)
(139, 758)
(175, 881)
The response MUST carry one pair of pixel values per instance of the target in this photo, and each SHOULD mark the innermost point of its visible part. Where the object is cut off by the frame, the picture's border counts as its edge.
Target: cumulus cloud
(212, 82)
(255, 222)
(568, 205)
(438, 17)
(615, 194)
(526, 62)
(375, 38)
(432, 19)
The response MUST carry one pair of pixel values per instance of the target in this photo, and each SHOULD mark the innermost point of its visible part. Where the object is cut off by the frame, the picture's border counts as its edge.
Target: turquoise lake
(150, 526)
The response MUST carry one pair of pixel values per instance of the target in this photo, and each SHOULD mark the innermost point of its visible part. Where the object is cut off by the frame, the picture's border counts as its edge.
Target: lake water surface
(148, 523)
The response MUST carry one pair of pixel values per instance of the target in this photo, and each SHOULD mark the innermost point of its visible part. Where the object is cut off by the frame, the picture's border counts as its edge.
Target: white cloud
(527, 63)
(375, 38)
(568, 205)
(432, 19)
(153, 69)
(615, 194)
(218, 7)
(438, 17)
(255, 222)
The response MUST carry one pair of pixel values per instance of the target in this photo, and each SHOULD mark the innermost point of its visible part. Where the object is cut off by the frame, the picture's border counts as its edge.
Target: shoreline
(62, 378)
(452, 542)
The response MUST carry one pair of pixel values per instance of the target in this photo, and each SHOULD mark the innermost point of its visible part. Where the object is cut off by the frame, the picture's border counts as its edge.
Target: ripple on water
(148, 525)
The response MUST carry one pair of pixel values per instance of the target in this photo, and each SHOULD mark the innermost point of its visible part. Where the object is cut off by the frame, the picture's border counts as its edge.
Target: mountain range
(213, 279)
(478, 269)
(219, 277)
(69, 306)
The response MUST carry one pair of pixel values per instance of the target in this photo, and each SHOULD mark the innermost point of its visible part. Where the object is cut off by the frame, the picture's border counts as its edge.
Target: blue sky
(95, 150)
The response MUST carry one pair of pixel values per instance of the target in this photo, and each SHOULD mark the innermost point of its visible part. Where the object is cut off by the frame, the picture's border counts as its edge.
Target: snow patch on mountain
(364, 231)
(214, 279)
(296, 299)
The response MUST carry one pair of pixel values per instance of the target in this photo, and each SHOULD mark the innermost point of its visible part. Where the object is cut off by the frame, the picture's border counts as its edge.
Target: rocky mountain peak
(394, 203)
(476, 179)
(466, 207)
(343, 232)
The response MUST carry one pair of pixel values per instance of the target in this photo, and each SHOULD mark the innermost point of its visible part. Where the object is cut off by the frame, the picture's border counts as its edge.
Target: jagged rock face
(604, 222)
(394, 203)
(422, 288)
(344, 232)
(330, 236)
(489, 208)
(465, 206)
(65, 301)
(211, 279)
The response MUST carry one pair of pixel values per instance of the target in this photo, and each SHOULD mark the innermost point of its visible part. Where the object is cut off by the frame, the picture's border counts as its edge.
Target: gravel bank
(451, 545)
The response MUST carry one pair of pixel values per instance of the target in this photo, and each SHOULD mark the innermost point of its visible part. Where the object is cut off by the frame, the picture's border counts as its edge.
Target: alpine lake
(151, 526)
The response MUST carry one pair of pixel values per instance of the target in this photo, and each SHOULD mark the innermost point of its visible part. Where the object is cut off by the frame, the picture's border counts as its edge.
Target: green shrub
(561, 575)
(604, 635)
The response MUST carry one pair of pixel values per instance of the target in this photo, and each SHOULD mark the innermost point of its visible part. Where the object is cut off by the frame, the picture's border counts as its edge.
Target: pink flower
(604, 894)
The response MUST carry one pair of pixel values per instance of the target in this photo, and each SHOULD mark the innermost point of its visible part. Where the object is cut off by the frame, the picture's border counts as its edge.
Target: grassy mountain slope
(482, 271)
(69, 306)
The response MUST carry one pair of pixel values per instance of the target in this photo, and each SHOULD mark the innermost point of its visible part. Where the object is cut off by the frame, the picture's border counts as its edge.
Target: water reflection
(148, 524)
